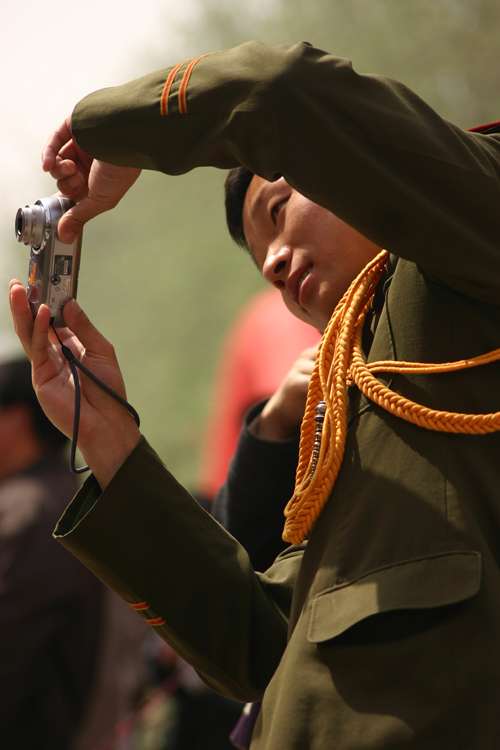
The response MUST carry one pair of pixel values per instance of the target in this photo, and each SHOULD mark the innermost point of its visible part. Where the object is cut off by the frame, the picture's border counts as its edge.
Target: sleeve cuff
(83, 502)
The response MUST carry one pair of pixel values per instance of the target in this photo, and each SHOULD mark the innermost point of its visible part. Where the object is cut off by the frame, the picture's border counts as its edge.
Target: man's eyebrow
(263, 196)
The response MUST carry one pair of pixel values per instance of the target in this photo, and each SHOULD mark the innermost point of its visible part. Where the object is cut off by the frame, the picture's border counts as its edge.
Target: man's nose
(277, 265)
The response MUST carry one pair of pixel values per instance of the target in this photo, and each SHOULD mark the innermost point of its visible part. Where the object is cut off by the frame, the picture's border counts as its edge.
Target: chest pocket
(419, 585)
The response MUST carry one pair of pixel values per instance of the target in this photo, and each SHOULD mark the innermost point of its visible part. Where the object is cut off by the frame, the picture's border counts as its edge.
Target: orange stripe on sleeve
(141, 607)
(168, 86)
(185, 80)
(157, 621)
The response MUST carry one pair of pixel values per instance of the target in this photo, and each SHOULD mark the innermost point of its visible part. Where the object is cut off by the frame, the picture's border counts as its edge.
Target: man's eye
(276, 209)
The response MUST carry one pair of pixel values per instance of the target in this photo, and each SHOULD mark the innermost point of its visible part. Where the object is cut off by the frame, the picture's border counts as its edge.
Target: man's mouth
(295, 283)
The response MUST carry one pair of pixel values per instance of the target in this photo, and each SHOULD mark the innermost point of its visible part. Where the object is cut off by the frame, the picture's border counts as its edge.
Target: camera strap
(74, 363)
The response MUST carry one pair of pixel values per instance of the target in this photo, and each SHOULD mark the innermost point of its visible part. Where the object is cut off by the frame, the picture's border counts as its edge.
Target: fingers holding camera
(105, 186)
(21, 314)
(68, 164)
(108, 433)
(33, 335)
(71, 171)
(47, 363)
(55, 143)
(92, 342)
(95, 186)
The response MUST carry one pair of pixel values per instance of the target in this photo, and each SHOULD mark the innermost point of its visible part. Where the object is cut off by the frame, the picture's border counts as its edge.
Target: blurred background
(159, 275)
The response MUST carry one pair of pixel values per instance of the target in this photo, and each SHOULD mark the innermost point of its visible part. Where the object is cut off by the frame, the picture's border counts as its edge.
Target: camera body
(54, 266)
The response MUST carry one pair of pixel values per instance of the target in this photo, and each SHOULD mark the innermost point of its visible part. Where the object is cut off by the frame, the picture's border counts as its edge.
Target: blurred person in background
(70, 659)
(50, 607)
(260, 347)
(266, 363)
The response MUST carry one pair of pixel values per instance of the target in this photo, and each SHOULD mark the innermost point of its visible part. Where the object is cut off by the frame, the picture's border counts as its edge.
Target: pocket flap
(413, 584)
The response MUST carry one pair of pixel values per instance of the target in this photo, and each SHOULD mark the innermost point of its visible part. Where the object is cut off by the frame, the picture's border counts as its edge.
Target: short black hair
(16, 388)
(235, 190)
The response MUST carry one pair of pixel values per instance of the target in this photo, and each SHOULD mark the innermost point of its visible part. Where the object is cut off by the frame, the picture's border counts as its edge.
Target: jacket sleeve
(363, 146)
(150, 541)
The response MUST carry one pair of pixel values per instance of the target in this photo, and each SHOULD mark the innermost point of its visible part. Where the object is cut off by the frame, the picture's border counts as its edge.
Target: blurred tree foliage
(159, 275)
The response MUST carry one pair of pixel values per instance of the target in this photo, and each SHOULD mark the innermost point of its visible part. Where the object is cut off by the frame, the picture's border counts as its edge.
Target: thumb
(89, 336)
(72, 222)
(107, 184)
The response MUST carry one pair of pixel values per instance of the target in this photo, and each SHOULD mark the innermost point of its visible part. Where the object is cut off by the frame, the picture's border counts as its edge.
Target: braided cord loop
(340, 362)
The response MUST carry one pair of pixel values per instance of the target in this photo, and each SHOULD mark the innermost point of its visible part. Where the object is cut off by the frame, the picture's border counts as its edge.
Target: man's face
(304, 250)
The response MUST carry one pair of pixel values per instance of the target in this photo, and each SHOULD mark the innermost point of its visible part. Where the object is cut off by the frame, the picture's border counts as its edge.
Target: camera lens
(29, 225)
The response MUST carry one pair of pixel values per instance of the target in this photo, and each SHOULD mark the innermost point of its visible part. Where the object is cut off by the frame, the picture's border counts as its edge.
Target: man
(382, 630)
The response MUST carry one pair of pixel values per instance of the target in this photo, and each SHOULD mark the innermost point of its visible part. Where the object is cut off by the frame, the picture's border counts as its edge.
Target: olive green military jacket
(382, 631)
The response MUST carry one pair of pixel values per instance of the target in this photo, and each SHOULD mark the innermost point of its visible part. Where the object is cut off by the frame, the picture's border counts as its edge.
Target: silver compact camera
(54, 266)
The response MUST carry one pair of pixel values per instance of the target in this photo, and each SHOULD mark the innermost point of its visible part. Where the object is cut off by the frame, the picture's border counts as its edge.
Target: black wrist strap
(74, 363)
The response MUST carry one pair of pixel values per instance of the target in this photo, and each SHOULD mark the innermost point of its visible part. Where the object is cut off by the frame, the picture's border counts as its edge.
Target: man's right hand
(282, 416)
(93, 185)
